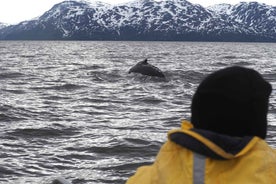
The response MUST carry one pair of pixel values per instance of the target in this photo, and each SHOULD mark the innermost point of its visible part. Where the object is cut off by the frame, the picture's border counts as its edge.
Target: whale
(144, 68)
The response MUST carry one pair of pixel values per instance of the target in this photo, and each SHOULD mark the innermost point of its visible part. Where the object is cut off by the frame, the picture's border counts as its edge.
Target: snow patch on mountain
(95, 4)
(2, 25)
(219, 9)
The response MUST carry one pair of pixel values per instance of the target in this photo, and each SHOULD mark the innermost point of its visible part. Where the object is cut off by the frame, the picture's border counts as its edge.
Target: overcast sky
(15, 11)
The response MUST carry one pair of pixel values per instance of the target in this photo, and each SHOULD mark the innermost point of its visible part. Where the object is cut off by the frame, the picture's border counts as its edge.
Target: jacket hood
(211, 144)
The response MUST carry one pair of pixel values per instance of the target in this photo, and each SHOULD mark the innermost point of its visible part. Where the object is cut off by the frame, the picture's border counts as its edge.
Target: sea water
(71, 110)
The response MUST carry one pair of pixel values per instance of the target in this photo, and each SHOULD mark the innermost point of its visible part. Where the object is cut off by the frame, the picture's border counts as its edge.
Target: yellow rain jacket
(194, 156)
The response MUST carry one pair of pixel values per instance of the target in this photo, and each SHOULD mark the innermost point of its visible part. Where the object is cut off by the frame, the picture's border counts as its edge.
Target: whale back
(143, 67)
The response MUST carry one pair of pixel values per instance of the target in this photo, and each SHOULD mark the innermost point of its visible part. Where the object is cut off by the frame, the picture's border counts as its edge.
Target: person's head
(232, 101)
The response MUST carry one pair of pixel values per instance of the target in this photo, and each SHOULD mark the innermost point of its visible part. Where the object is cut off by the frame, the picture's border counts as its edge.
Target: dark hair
(232, 101)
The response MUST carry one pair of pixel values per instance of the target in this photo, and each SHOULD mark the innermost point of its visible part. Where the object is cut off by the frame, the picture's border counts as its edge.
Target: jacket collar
(211, 144)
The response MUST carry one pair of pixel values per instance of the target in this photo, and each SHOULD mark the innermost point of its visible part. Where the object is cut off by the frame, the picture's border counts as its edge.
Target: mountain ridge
(168, 20)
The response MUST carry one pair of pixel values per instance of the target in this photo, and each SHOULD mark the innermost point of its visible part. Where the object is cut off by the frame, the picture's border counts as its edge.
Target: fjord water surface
(71, 109)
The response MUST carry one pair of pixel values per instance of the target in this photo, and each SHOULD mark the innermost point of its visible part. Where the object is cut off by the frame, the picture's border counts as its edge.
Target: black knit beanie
(232, 101)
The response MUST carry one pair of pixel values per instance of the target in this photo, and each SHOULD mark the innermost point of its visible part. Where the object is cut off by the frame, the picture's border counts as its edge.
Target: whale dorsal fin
(145, 62)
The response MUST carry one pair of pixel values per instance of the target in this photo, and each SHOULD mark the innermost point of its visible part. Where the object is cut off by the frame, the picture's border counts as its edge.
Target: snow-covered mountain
(252, 19)
(2, 25)
(150, 20)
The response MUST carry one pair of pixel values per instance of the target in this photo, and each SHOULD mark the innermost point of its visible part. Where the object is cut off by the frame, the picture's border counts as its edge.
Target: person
(225, 140)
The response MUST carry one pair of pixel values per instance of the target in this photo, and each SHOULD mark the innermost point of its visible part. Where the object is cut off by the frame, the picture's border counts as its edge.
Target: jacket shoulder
(167, 168)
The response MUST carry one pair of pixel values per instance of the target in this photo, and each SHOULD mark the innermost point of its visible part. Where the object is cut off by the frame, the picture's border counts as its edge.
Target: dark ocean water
(71, 109)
